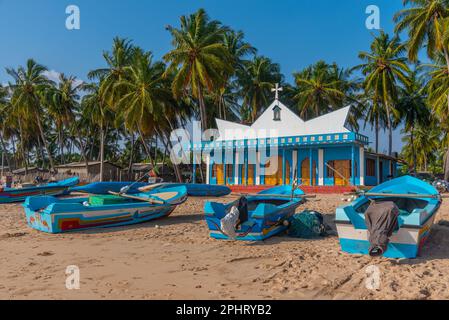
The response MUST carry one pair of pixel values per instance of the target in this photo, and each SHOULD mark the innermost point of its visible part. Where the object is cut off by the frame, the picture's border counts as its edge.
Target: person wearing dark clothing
(242, 206)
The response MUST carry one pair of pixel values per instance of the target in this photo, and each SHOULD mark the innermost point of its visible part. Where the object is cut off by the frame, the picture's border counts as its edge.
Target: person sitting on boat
(238, 214)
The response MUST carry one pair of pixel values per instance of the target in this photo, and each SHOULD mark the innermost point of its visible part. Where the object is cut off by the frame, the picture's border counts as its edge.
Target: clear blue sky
(293, 33)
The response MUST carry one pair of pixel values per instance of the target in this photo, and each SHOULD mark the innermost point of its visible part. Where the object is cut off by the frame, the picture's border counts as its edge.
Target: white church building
(318, 152)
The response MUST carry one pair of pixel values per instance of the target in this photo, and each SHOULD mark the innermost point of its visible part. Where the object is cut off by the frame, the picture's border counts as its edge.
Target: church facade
(280, 148)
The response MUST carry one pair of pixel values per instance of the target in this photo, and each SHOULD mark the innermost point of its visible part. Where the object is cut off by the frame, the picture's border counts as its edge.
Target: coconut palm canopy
(130, 106)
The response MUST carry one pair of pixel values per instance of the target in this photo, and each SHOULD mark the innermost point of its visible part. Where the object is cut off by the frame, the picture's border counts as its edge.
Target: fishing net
(307, 225)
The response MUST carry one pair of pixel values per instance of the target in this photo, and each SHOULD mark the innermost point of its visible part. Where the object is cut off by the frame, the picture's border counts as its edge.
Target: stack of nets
(307, 225)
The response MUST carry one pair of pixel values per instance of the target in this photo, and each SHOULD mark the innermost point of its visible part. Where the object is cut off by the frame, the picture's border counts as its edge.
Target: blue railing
(320, 139)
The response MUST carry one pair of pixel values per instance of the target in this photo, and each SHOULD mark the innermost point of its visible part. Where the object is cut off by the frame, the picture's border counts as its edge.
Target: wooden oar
(151, 187)
(152, 201)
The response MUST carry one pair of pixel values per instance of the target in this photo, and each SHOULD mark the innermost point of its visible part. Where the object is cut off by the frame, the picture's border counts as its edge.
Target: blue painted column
(234, 155)
(311, 166)
(352, 165)
(298, 166)
(246, 166)
(225, 175)
(254, 167)
(283, 167)
(194, 168)
(262, 167)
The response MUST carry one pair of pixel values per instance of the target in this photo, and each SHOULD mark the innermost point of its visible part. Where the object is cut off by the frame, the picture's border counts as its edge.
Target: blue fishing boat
(52, 215)
(105, 187)
(418, 203)
(193, 190)
(266, 216)
(286, 190)
(10, 195)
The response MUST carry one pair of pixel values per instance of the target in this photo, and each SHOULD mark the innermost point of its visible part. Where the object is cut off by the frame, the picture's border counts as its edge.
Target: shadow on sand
(436, 247)
(162, 222)
(331, 230)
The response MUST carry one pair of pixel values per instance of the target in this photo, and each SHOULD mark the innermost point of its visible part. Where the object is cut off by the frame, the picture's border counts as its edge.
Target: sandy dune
(174, 258)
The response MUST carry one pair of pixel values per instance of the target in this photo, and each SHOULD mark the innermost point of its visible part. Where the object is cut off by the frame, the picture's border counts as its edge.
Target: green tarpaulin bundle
(307, 225)
(101, 200)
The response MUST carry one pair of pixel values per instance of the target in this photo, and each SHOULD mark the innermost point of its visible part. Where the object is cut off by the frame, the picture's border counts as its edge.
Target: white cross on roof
(277, 89)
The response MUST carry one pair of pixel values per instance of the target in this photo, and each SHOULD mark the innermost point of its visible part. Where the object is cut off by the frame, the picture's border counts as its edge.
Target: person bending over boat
(238, 214)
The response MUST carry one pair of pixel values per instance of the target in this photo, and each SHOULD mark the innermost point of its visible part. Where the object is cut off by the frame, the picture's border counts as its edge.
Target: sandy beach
(174, 258)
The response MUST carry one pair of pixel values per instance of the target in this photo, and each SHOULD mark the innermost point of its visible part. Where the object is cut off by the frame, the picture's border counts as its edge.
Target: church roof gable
(289, 125)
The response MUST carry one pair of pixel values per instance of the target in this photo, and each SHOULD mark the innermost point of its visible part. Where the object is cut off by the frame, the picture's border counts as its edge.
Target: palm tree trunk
(131, 156)
(412, 142)
(61, 147)
(155, 150)
(41, 150)
(41, 131)
(22, 147)
(377, 133)
(446, 161)
(101, 152)
(203, 113)
(163, 160)
(5, 152)
(145, 146)
(175, 166)
(82, 149)
(390, 132)
(13, 142)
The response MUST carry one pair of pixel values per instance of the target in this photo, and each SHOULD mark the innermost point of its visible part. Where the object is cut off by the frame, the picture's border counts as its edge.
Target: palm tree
(320, 89)
(95, 111)
(421, 148)
(30, 85)
(140, 105)
(4, 103)
(255, 82)
(117, 60)
(424, 23)
(238, 50)
(385, 68)
(413, 111)
(199, 58)
(373, 114)
(427, 24)
(62, 101)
